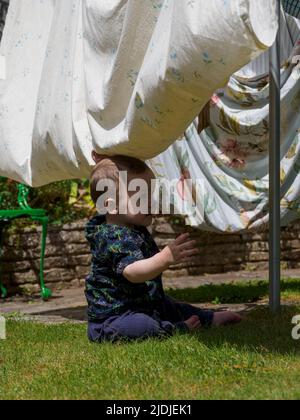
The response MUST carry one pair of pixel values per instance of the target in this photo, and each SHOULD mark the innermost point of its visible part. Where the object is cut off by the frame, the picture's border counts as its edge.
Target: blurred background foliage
(65, 201)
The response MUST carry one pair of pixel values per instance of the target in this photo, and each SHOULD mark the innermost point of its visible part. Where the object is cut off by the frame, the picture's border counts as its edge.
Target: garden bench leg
(45, 292)
(3, 290)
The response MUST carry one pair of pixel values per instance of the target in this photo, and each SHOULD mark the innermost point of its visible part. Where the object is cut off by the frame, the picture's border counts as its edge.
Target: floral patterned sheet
(119, 76)
(231, 156)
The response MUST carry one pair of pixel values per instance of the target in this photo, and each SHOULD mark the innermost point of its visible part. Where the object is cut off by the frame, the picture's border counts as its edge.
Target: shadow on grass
(230, 293)
(260, 332)
(73, 314)
(248, 293)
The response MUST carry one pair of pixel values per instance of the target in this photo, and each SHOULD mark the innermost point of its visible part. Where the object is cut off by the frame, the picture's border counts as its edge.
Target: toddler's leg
(207, 318)
(130, 326)
(178, 311)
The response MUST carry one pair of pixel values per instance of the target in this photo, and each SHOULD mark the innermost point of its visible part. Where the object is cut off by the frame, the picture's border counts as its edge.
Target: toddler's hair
(110, 167)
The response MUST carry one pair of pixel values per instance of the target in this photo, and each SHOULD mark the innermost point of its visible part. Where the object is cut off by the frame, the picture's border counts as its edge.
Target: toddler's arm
(180, 250)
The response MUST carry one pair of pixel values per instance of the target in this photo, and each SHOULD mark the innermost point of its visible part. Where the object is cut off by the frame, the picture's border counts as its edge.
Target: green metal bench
(25, 211)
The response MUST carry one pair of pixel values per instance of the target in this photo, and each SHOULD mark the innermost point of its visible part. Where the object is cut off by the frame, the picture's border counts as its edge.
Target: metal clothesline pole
(274, 170)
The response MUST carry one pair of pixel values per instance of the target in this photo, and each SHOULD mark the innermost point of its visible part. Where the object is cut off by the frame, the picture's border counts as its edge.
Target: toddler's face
(138, 202)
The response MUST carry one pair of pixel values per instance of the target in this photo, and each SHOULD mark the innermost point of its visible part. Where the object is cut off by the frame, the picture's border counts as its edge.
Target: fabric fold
(125, 76)
(230, 156)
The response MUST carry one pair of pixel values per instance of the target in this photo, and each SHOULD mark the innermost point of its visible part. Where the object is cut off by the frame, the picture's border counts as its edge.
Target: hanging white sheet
(120, 76)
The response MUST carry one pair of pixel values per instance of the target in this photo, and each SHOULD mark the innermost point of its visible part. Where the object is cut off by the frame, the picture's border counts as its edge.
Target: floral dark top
(113, 248)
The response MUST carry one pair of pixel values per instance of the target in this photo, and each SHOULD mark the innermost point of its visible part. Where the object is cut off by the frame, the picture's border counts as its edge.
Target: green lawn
(255, 360)
(245, 292)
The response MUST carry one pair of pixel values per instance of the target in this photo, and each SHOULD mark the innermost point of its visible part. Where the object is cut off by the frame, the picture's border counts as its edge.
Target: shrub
(65, 201)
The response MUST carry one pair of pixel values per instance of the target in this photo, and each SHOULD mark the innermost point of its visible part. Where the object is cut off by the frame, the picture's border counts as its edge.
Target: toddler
(124, 289)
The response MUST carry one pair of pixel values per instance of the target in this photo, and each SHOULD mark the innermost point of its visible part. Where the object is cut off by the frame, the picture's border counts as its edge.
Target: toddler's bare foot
(226, 318)
(193, 323)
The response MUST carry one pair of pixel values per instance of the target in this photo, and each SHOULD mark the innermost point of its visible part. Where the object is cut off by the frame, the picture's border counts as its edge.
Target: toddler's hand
(183, 249)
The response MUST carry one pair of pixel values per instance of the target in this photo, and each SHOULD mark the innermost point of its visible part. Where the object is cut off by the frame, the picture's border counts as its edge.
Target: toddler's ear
(96, 157)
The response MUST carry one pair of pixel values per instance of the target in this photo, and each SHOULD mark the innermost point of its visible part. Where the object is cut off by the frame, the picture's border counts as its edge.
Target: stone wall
(221, 253)
(68, 259)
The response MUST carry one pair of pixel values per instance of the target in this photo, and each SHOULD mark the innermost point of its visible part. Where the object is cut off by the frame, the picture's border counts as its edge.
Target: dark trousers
(138, 325)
